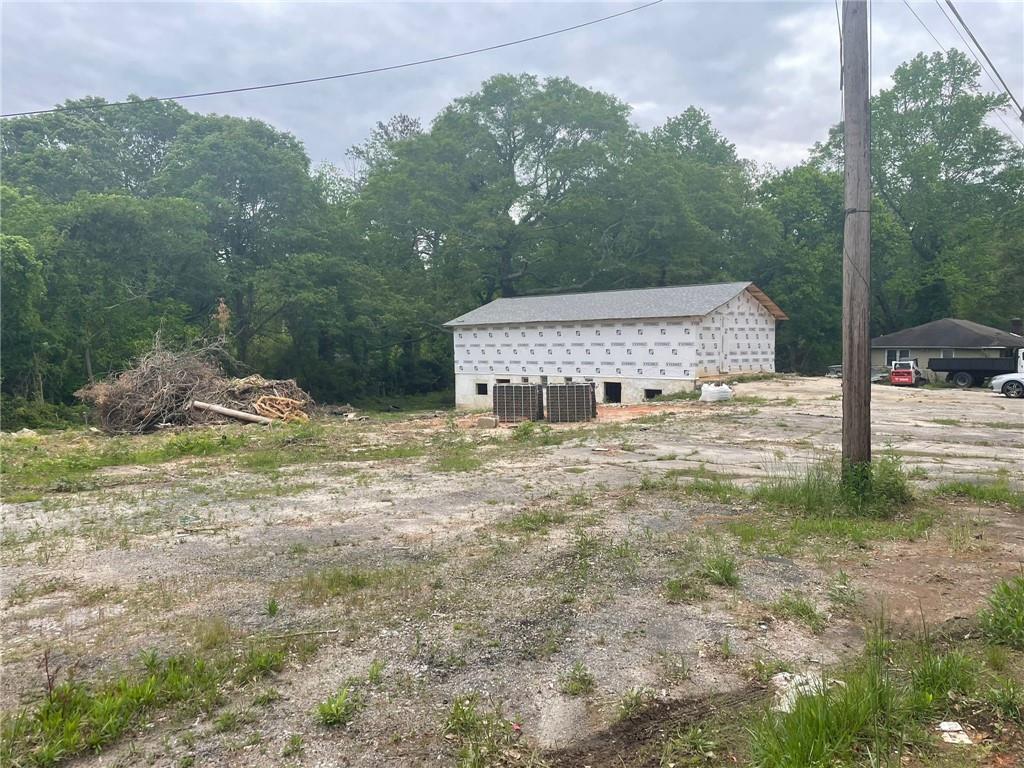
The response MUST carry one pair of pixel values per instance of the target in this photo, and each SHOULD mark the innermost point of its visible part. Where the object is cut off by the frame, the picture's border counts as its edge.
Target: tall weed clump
(880, 489)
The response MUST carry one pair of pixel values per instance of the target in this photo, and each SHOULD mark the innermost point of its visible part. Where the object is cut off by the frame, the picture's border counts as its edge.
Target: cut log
(240, 415)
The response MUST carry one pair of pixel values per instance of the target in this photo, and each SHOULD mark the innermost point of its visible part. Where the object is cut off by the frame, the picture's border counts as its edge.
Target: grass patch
(716, 489)
(577, 681)
(784, 536)
(458, 458)
(691, 747)
(339, 709)
(1003, 620)
(722, 569)
(318, 587)
(998, 491)
(799, 608)
(842, 594)
(482, 738)
(878, 709)
(539, 521)
(947, 422)
(685, 589)
(79, 716)
(633, 703)
(294, 747)
(880, 492)
(64, 461)
(384, 452)
(677, 396)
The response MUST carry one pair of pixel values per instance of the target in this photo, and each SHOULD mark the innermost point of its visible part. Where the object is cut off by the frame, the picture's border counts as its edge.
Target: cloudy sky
(767, 72)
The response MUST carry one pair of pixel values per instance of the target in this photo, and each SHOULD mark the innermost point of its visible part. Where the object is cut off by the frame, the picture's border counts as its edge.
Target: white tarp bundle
(711, 393)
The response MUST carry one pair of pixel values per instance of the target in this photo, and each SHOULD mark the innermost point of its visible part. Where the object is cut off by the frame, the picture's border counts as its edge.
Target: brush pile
(158, 391)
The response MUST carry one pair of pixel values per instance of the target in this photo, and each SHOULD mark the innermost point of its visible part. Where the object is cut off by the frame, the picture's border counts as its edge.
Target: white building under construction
(634, 344)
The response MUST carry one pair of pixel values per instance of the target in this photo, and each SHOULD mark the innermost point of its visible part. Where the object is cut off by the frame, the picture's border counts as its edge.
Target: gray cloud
(767, 72)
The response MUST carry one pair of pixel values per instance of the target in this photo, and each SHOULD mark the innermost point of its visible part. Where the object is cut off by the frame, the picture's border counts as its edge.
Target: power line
(943, 49)
(921, 22)
(971, 51)
(983, 53)
(371, 71)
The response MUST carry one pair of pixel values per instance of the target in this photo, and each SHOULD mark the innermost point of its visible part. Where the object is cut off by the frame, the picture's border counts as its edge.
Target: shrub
(21, 413)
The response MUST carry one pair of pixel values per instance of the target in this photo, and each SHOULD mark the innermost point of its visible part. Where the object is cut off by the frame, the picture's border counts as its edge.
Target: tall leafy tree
(254, 184)
(950, 179)
(21, 333)
(89, 147)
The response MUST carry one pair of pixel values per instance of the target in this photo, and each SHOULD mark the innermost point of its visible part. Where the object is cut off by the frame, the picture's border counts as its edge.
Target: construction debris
(171, 387)
(953, 733)
(791, 686)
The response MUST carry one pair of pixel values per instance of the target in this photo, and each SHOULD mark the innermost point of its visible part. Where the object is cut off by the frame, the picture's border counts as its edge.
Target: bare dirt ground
(496, 572)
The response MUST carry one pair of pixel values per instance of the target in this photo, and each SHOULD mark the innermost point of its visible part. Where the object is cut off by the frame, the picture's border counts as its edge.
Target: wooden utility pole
(856, 239)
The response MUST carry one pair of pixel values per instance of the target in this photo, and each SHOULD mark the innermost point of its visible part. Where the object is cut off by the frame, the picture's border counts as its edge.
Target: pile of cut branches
(159, 388)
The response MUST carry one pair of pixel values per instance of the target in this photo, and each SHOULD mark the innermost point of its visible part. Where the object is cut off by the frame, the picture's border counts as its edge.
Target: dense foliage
(122, 221)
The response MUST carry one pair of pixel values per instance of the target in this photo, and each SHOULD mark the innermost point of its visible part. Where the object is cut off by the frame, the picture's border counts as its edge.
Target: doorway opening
(612, 392)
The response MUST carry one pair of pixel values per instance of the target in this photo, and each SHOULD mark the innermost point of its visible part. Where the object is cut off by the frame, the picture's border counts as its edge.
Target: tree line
(122, 221)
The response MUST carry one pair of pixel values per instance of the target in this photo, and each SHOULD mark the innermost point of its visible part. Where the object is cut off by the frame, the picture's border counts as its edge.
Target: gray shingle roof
(643, 303)
(951, 333)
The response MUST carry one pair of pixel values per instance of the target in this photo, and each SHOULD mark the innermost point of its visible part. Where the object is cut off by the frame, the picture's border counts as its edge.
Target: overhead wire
(1000, 87)
(1009, 93)
(943, 49)
(343, 75)
(842, 98)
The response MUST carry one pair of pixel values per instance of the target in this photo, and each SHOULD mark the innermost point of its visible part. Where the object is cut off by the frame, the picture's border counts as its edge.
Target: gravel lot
(497, 575)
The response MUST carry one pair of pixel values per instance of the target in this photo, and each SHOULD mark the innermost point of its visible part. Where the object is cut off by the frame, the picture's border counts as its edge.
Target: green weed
(841, 591)
(539, 521)
(1007, 700)
(685, 590)
(881, 491)
(878, 708)
(801, 609)
(483, 739)
(998, 491)
(577, 681)
(294, 747)
(1003, 620)
(633, 703)
(722, 569)
(692, 747)
(320, 586)
(339, 709)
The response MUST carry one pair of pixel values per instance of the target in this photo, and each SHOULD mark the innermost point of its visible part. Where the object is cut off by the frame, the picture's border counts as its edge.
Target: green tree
(21, 333)
(254, 184)
(86, 147)
(952, 181)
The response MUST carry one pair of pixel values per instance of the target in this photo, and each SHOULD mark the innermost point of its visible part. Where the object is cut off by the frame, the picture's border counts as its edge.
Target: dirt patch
(947, 575)
(637, 741)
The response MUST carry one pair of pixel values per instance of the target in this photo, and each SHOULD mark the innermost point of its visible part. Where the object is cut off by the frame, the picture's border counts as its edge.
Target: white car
(1009, 384)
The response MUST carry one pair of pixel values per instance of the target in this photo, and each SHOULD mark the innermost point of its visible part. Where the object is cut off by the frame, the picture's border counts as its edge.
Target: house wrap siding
(739, 336)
